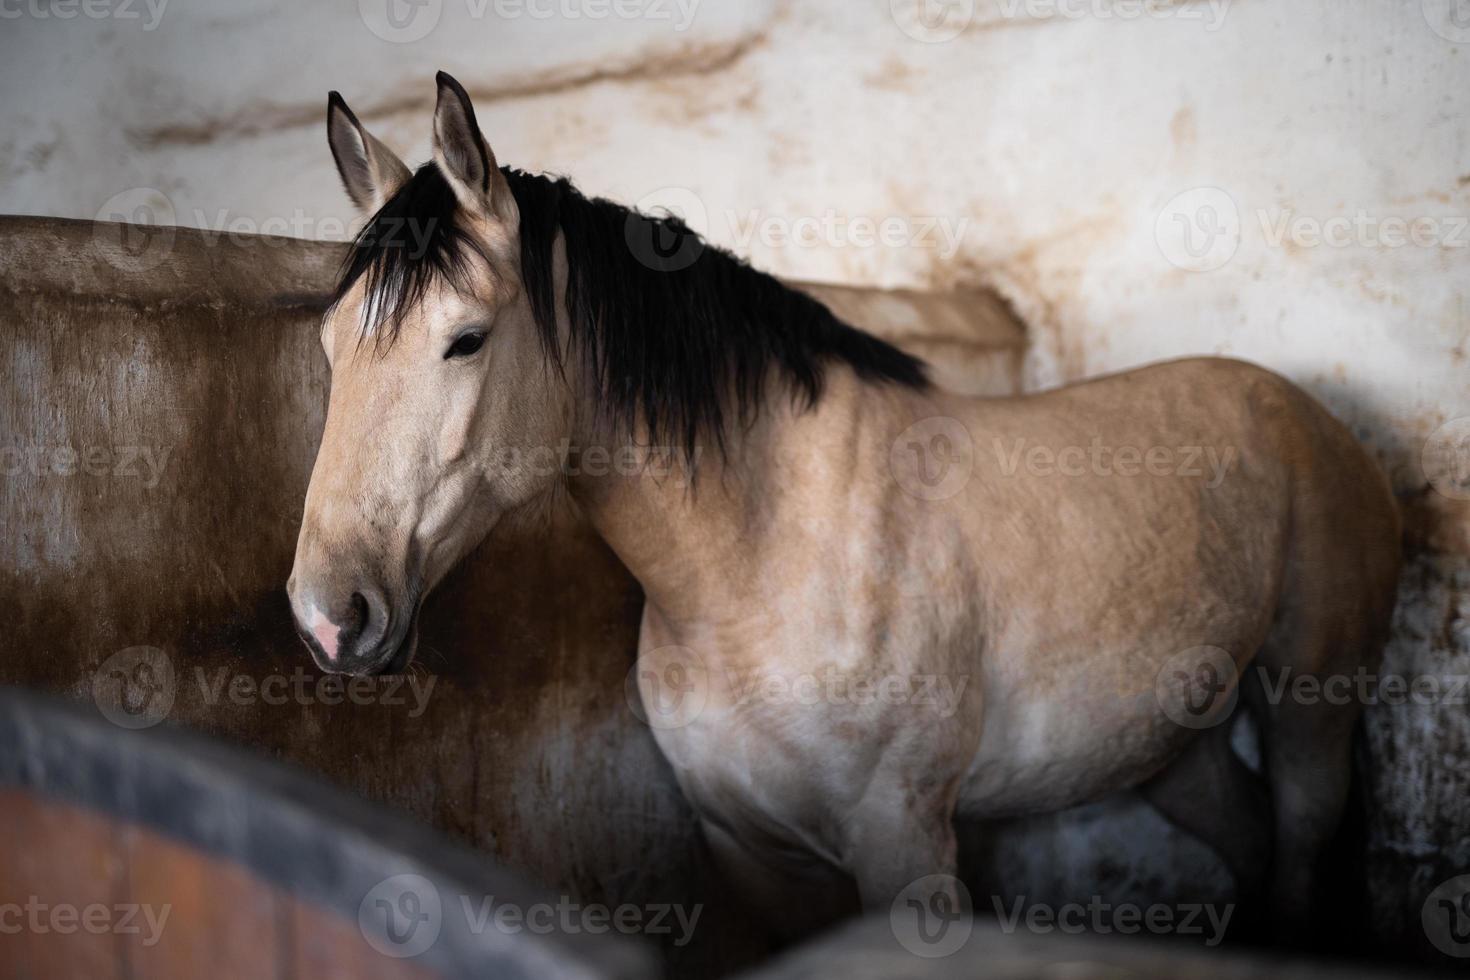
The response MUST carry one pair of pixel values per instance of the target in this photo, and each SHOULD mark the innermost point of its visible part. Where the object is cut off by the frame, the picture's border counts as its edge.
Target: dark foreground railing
(901, 947)
(161, 853)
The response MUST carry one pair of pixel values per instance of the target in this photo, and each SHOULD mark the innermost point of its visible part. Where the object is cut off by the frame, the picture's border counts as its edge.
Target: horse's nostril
(368, 619)
(361, 614)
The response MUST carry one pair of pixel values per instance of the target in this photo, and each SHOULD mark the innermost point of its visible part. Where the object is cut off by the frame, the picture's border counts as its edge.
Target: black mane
(670, 327)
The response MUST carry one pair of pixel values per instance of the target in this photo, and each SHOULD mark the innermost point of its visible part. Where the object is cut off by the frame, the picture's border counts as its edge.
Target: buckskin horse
(839, 535)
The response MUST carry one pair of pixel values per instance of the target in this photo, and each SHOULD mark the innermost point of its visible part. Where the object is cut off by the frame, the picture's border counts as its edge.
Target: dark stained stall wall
(210, 360)
(200, 354)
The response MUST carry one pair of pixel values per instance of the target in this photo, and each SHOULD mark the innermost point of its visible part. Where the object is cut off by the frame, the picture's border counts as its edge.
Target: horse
(871, 607)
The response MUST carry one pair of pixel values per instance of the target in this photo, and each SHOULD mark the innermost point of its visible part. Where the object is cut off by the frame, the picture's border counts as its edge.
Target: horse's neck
(697, 551)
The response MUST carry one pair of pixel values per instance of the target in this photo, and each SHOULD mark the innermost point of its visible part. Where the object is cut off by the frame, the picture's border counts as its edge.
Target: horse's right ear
(465, 158)
(370, 171)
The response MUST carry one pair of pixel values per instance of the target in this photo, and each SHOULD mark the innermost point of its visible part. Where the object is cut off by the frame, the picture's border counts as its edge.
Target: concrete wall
(1284, 181)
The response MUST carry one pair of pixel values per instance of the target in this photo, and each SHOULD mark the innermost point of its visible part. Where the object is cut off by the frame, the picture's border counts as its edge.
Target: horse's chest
(772, 755)
(764, 786)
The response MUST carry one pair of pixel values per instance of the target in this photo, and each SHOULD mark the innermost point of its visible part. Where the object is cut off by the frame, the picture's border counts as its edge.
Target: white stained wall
(1043, 148)
(1282, 180)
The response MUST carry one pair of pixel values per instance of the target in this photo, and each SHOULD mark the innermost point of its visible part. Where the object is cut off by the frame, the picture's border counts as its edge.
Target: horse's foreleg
(902, 850)
(795, 899)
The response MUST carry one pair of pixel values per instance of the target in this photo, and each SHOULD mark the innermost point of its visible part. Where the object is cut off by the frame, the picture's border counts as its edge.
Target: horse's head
(442, 405)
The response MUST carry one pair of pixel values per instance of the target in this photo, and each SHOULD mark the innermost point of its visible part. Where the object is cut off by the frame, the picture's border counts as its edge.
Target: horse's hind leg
(1211, 794)
(1307, 744)
(1331, 621)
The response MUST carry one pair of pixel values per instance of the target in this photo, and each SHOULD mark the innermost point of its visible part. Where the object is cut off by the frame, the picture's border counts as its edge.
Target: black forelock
(415, 239)
(668, 329)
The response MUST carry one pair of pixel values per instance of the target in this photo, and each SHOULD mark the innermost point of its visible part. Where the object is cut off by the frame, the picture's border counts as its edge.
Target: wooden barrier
(161, 854)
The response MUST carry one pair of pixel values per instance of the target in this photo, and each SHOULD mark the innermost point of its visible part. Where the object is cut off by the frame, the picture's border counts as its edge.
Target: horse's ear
(463, 155)
(370, 171)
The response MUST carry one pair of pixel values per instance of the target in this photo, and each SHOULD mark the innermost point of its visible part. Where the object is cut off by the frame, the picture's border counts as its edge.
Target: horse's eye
(464, 345)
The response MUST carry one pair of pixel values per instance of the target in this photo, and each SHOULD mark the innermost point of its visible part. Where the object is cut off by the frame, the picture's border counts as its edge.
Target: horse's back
(1199, 499)
(1249, 461)
(1342, 507)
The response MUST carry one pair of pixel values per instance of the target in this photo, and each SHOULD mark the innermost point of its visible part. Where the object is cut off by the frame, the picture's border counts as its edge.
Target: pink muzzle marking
(326, 633)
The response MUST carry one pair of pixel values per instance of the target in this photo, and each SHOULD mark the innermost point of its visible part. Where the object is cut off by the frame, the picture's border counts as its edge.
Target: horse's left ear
(463, 155)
